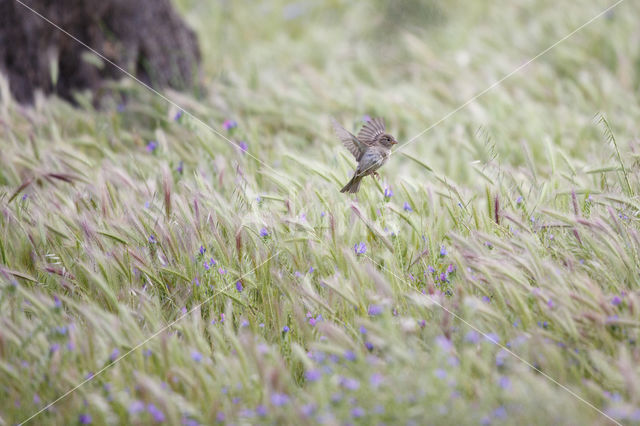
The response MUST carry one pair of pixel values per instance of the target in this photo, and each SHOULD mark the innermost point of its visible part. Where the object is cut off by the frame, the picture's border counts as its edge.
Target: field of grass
(186, 280)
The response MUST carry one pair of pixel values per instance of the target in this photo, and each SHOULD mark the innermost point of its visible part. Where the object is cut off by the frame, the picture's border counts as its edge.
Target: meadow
(491, 276)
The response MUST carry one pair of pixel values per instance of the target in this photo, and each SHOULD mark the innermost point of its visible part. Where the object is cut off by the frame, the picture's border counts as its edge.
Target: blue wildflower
(360, 248)
(85, 419)
(374, 310)
(616, 301)
(180, 167)
(443, 251)
(239, 286)
(243, 146)
(196, 356)
(388, 192)
(152, 146)
(264, 232)
(285, 329)
(152, 239)
(229, 124)
(156, 413)
(279, 399)
(202, 250)
(313, 375)
(136, 407)
(407, 207)
(357, 412)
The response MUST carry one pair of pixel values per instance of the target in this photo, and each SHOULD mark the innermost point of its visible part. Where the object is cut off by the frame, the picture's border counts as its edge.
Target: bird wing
(371, 161)
(370, 132)
(349, 141)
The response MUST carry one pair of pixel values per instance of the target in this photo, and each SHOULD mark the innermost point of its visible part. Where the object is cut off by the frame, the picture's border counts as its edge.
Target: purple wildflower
(431, 269)
(84, 419)
(363, 330)
(444, 343)
(222, 271)
(368, 345)
(443, 251)
(206, 265)
(357, 412)
(616, 301)
(285, 329)
(388, 192)
(202, 249)
(313, 375)
(312, 322)
(360, 248)
(504, 382)
(261, 410)
(152, 146)
(152, 239)
(486, 299)
(279, 399)
(136, 407)
(178, 115)
(56, 301)
(376, 380)
(349, 383)
(243, 146)
(500, 412)
(156, 413)
(407, 207)
(196, 356)
(180, 167)
(349, 356)
(492, 337)
(550, 304)
(308, 410)
(147, 353)
(422, 323)
(220, 416)
(472, 337)
(519, 200)
(239, 286)
(54, 348)
(229, 124)
(440, 373)
(374, 310)
(264, 232)
(114, 354)
(451, 268)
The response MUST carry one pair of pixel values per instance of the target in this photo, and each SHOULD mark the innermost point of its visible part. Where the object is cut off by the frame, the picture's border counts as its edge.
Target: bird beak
(394, 142)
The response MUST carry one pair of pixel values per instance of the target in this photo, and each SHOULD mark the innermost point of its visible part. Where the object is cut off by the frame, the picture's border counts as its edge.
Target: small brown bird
(371, 148)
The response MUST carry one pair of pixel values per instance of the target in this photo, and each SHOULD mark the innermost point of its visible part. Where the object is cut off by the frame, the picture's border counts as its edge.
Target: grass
(517, 215)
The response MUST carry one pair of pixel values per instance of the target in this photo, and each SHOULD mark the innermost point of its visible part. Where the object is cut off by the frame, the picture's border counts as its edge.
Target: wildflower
(152, 146)
(357, 412)
(349, 356)
(422, 323)
(374, 310)
(229, 125)
(239, 286)
(136, 407)
(351, 384)
(368, 345)
(376, 380)
(407, 207)
(440, 373)
(222, 271)
(54, 348)
(147, 353)
(616, 301)
(196, 281)
(444, 343)
(56, 301)
(504, 382)
(264, 233)
(313, 375)
(550, 303)
(212, 262)
(451, 268)
(500, 412)
(443, 251)
(388, 192)
(431, 269)
(25, 196)
(114, 354)
(363, 330)
(308, 410)
(492, 337)
(156, 413)
(220, 416)
(202, 249)
(243, 146)
(279, 399)
(180, 167)
(486, 299)
(360, 248)
(178, 115)
(519, 200)
(152, 239)
(261, 410)
(285, 329)
(244, 323)
(312, 322)
(196, 356)
(84, 419)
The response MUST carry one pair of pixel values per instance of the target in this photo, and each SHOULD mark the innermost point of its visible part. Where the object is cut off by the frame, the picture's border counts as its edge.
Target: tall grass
(518, 215)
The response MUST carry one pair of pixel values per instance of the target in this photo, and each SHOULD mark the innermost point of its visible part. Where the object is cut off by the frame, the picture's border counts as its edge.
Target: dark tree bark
(145, 37)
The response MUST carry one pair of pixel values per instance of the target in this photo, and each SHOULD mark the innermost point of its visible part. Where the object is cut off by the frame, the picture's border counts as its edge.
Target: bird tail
(353, 185)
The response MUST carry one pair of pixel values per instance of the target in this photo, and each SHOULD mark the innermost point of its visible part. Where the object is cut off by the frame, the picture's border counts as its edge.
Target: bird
(371, 148)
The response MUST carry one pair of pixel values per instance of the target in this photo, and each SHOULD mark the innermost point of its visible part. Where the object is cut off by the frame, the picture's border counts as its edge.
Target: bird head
(387, 140)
